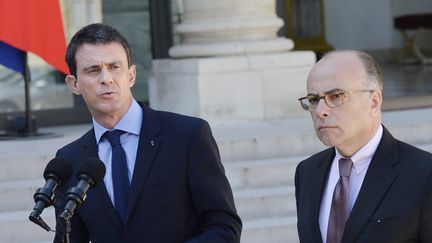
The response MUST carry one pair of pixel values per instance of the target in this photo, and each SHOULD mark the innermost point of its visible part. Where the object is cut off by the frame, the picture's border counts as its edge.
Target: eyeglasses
(333, 99)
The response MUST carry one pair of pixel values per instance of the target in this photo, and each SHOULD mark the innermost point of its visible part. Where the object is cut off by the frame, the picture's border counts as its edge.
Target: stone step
(257, 140)
(249, 180)
(410, 126)
(242, 174)
(31, 148)
(23, 168)
(270, 172)
(270, 230)
(15, 227)
(265, 202)
(260, 160)
(19, 194)
(261, 173)
(241, 141)
(251, 203)
(266, 140)
(295, 137)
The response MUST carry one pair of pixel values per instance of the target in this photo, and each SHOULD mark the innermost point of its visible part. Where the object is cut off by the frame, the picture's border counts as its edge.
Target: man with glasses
(368, 186)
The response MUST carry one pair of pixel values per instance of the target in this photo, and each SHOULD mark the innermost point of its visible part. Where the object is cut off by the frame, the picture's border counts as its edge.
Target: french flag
(12, 57)
(31, 26)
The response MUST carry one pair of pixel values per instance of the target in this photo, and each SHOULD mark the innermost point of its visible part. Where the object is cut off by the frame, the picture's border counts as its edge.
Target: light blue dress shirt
(131, 124)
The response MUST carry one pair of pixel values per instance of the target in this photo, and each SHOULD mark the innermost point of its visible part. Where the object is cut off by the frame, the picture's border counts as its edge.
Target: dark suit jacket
(394, 203)
(179, 192)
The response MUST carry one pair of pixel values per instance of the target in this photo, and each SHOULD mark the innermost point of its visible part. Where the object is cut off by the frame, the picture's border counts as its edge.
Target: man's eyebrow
(327, 92)
(96, 66)
(334, 90)
(114, 63)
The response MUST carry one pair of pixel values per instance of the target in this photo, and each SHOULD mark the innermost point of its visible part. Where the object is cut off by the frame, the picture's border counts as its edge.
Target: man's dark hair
(94, 34)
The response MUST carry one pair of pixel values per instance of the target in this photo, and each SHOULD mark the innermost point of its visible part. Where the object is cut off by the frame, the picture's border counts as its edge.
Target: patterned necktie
(339, 209)
(119, 172)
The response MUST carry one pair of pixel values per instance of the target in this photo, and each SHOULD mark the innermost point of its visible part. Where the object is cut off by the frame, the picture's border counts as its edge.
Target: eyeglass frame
(345, 93)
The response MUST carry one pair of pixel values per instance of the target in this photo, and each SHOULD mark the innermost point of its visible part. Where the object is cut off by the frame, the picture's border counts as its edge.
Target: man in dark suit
(176, 188)
(368, 187)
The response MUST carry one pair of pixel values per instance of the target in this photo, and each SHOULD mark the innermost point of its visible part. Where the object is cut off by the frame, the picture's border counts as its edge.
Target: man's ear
(132, 75)
(376, 103)
(73, 85)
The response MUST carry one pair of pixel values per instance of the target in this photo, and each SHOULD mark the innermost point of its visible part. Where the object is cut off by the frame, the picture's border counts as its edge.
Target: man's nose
(105, 76)
(322, 109)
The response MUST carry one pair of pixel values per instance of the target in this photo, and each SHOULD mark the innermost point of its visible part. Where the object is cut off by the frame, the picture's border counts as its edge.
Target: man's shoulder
(414, 154)
(167, 116)
(170, 121)
(404, 150)
(76, 144)
(321, 156)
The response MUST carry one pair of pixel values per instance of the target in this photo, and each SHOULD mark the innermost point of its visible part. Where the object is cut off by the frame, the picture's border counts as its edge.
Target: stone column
(230, 65)
(78, 13)
(229, 27)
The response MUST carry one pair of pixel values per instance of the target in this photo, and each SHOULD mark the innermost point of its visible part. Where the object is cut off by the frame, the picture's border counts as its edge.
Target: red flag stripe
(35, 26)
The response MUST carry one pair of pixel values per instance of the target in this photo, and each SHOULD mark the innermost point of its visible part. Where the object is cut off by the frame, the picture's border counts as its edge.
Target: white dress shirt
(361, 160)
(131, 124)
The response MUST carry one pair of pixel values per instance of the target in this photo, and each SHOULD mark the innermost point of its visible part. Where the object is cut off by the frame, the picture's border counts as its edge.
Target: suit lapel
(377, 182)
(100, 192)
(147, 148)
(318, 186)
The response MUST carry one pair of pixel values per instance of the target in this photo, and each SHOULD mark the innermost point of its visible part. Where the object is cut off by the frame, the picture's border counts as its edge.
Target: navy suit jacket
(394, 203)
(179, 191)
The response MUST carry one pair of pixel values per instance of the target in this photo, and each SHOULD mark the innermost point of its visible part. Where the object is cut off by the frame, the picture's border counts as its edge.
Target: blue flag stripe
(12, 58)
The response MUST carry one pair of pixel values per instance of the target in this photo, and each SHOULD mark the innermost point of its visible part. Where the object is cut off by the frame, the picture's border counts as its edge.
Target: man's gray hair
(374, 78)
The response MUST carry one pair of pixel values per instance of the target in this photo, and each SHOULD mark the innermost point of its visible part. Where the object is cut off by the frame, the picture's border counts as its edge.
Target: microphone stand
(66, 229)
(64, 218)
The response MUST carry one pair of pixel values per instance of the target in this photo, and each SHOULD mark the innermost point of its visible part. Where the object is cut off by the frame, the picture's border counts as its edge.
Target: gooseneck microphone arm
(89, 174)
(56, 173)
(44, 197)
(75, 197)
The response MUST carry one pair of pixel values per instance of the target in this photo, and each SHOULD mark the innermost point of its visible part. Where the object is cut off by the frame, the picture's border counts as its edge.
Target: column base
(276, 45)
(232, 89)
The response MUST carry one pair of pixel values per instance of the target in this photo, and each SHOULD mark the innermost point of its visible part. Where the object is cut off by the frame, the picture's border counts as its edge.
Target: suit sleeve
(210, 191)
(426, 214)
(297, 186)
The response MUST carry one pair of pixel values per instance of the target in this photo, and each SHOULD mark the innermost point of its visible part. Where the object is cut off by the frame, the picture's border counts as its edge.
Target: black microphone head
(60, 168)
(93, 168)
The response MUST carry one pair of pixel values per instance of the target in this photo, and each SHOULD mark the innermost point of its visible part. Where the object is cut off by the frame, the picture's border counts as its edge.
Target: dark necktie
(119, 172)
(339, 209)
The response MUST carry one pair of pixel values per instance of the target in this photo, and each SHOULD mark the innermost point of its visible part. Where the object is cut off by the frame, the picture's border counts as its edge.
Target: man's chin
(327, 141)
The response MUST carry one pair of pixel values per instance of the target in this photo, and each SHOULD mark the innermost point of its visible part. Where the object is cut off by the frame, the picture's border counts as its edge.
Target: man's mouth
(325, 127)
(108, 93)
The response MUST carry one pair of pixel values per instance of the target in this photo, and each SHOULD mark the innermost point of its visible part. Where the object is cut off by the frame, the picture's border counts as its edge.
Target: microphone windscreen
(59, 167)
(94, 168)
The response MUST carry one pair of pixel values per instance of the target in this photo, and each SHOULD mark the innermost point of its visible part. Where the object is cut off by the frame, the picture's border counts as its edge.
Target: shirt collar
(131, 122)
(361, 159)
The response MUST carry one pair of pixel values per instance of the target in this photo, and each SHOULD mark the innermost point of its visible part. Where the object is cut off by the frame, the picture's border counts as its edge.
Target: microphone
(57, 172)
(89, 174)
